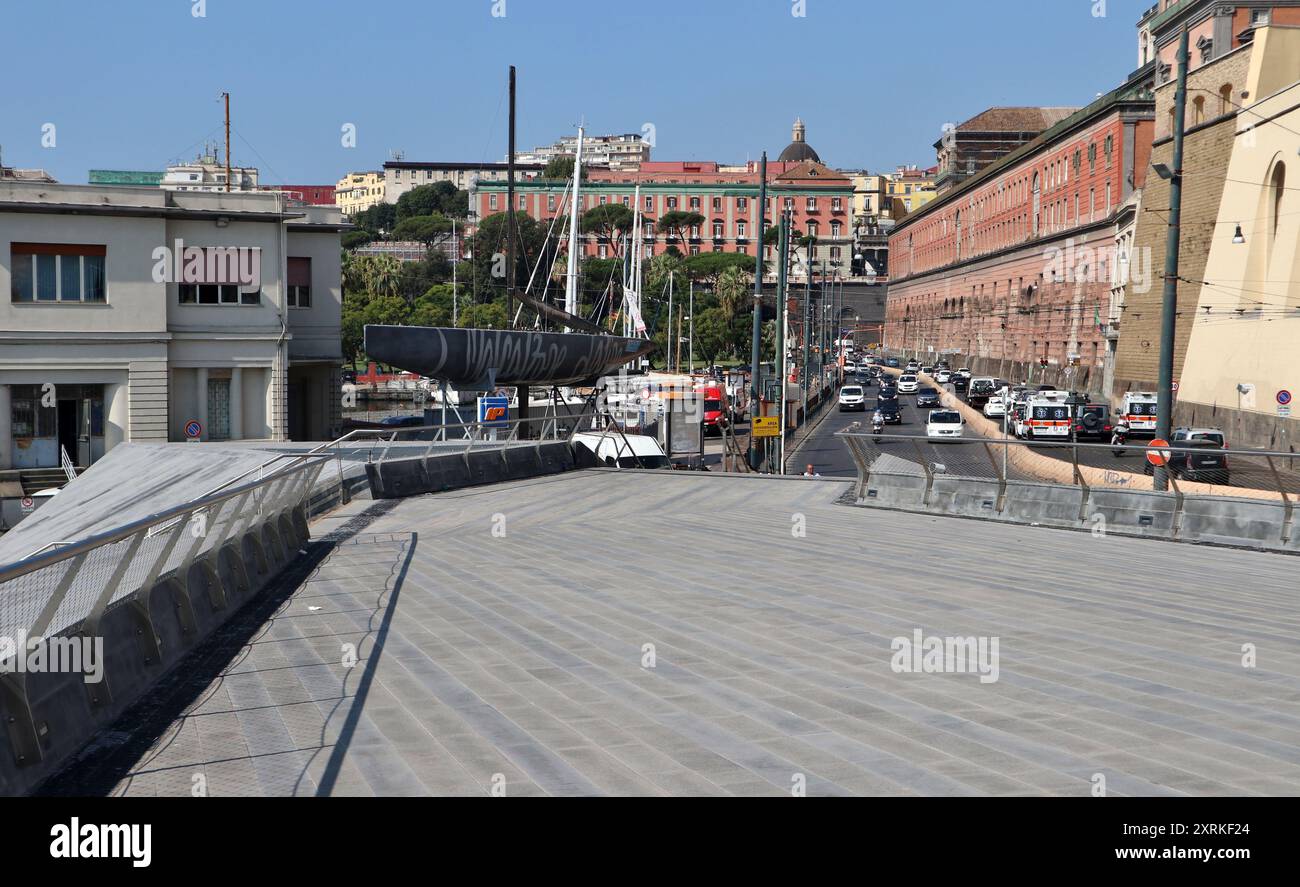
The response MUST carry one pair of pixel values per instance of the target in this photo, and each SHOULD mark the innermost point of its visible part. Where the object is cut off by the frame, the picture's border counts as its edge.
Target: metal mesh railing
(70, 584)
(1194, 470)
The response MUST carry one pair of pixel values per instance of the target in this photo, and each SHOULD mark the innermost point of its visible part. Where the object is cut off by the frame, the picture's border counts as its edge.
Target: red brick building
(820, 199)
(1013, 265)
(308, 195)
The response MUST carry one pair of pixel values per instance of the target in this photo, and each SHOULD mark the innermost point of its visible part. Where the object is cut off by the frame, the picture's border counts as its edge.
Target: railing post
(1002, 477)
(864, 470)
(929, 473)
(19, 723)
(1178, 504)
(1287, 504)
(1083, 485)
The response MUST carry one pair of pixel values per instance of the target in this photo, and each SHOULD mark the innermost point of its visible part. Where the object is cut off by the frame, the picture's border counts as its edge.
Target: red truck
(717, 407)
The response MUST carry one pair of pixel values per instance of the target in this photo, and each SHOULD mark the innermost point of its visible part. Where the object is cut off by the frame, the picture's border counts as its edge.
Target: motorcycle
(877, 429)
(1118, 440)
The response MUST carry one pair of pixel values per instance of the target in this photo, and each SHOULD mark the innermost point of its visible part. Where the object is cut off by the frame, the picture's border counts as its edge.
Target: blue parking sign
(494, 412)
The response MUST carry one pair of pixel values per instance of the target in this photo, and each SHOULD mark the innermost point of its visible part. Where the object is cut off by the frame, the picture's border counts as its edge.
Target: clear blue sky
(133, 84)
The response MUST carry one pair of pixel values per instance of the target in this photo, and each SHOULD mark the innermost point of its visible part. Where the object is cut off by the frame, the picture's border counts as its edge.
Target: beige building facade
(1245, 335)
(358, 191)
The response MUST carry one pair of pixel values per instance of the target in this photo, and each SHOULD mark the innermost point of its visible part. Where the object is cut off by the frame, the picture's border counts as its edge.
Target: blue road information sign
(494, 412)
(193, 428)
(1284, 398)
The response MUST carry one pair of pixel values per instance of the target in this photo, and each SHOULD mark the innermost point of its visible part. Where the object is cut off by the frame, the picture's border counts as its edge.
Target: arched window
(1225, 98)
(958, 229)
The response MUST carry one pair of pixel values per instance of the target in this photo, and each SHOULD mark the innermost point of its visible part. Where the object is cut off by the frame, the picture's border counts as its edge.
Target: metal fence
(69, 585)
(1255, 475)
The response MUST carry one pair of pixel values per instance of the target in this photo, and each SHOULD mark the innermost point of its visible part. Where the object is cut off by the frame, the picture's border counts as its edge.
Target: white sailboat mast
(571, 285)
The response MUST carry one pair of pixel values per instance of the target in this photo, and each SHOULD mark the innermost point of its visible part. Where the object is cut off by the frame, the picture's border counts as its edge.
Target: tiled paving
(517, 659)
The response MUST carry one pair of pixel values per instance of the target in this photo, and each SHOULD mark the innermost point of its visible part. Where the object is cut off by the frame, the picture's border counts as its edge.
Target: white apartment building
(401, 176)
(137, 314)
(207, 173)
(618, 152)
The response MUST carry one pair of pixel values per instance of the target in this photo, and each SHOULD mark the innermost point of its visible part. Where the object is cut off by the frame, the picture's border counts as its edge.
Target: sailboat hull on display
(483, 359)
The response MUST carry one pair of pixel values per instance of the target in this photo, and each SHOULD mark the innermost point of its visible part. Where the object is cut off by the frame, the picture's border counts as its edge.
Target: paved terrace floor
(519, 659)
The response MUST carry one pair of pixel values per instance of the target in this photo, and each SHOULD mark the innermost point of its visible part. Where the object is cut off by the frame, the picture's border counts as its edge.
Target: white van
(1046, 416)
(1139, 410)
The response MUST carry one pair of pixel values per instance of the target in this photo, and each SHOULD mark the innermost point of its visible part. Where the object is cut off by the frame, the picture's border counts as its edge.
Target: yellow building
(1241, 355)
(868, 196)
(913, 188)
(358, 191)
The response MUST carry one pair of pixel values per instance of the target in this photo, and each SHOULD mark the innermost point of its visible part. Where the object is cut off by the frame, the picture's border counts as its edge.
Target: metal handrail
(41, 560)
(1066, 445)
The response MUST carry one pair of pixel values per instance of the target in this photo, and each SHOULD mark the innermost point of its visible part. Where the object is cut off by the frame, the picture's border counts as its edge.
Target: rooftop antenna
(226, 96)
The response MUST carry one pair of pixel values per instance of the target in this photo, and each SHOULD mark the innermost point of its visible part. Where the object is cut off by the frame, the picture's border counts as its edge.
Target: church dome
(799, 150)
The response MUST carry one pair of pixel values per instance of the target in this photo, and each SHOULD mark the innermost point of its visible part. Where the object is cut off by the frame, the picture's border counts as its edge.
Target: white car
(852, 397)
(943, 377)
(944, 425)
(907, 384)
(996, 407)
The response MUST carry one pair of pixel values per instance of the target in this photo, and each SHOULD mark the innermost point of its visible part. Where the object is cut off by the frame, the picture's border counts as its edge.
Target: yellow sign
(767, 426)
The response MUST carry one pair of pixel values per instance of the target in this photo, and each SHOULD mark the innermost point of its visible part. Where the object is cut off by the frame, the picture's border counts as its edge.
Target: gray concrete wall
(1216, 520)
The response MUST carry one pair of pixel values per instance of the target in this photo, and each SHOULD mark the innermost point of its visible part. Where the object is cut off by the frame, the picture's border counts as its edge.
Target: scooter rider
(1120, 435)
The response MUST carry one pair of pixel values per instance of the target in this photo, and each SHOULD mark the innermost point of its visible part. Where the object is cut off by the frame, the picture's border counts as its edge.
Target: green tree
(487, 316)
(429, 230)
(379, 275)
(488, 247)
(354, 239)
(561, 169)
(608, 223)
(379, 218)
(707, 268)
(658, 271)
(732, 287)
(678, 224)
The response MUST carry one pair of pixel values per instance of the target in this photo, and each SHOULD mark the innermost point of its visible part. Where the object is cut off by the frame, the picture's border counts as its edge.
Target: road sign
(27, 503)
(494, 412)
(767, 426)
(193, 429)
(1158, 456)
(1284, 412)
(1284, 398)
(1175, 386)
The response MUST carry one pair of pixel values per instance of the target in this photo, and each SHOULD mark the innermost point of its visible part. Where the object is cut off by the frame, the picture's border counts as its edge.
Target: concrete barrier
(417, 475)
(1213, 520)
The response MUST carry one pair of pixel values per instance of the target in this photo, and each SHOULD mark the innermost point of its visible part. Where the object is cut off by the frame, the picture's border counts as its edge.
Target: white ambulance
(1139, 409)
(1046, 416)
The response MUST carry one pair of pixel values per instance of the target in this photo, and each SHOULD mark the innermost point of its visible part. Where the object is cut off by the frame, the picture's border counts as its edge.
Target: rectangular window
(740, 229)
(223, 294)
(649, 204)
(56, 272)
(812, 204)
(492, 201)
(742, 204)
(717, 204)
(672, 203)
(550, 202)
(299, 282)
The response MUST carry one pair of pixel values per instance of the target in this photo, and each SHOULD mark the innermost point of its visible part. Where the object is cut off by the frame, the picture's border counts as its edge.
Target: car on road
(927, 370)
(852, 397)
(1204, 461)
(888, 389)
(908, 383)
(912, 366)
(995, 407)
(1092, 422)
(927, 397)
(960, 383)
(964, 371)
(1214, 435)
(892, 362)
(943, 377)
(944, 425)
(981, 389)
(891, 410)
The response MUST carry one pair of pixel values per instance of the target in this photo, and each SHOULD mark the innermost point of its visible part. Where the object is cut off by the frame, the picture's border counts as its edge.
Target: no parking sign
(193, 430)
